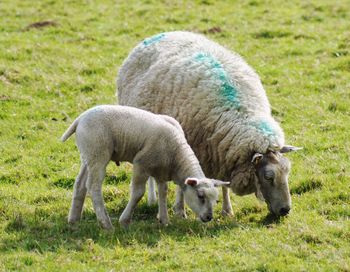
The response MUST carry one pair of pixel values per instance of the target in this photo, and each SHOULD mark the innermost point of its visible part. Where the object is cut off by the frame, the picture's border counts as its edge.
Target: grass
(53, 70)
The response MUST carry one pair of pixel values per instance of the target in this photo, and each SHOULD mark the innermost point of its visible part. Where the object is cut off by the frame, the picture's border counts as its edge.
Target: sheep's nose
(284, 211)
(209, 217)
(206, 218)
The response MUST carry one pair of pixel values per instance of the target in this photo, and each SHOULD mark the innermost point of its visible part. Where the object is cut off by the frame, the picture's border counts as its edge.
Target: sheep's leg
(94, 183)
(152, 196)
(226, 202)
(137, 190)
(162, 208)
(179, 206)
(79, 193)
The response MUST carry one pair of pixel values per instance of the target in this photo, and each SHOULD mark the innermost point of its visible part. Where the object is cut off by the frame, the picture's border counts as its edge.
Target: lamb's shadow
(52, 232)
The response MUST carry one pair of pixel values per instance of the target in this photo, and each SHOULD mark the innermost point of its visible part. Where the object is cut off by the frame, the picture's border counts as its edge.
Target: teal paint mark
(227, 89)
(205, 57)
(265, 128)
(153, 39)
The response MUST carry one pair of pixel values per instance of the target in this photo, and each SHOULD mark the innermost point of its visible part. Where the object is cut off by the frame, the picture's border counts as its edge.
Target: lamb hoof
(151, 202)
(180, 213)
(107, 226)
(164, 222)
(71, 221)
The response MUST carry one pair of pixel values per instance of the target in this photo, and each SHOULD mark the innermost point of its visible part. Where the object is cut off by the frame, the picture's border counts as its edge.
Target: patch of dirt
(6, 81)
(40, 24)
(5, 98)
(215, 29)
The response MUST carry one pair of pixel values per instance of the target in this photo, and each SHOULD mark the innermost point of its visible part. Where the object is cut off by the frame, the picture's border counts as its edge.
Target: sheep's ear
(191, 182)
(258, 192)
(289, 148)
(259, 195)
(256, 158)
(218, 183)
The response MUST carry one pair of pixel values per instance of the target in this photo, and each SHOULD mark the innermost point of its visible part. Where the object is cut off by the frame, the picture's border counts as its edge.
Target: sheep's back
(182, 64)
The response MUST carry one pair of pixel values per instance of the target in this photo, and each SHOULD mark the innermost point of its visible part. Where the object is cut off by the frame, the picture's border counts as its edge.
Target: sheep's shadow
(270, 219)
(52, 232)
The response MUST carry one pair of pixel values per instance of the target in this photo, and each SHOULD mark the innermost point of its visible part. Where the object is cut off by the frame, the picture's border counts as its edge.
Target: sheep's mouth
(277, 214)
(205, 219)
(272, 212)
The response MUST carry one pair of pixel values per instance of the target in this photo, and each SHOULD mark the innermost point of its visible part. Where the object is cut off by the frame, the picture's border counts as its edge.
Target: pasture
(59, 58)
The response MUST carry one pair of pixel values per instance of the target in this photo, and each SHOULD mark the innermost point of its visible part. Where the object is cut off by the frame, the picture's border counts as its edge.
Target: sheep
(156, 146)
(221, 105)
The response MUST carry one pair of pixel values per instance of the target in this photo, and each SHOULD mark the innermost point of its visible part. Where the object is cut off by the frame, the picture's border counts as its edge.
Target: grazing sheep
(222, 107)
(156, 146)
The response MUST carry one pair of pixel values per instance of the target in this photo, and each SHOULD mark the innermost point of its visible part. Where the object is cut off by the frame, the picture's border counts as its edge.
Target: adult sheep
(221, 105)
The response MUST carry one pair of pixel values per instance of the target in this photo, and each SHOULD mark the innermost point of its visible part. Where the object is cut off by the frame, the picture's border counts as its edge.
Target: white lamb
(156, 146)
(222, 107)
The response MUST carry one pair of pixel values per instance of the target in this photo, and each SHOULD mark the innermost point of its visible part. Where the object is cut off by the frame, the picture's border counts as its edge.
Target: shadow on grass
(50, 232)
(271, 219)
(68, 183)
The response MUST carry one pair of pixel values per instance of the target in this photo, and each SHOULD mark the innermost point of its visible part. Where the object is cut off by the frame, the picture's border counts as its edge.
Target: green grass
(51, 73)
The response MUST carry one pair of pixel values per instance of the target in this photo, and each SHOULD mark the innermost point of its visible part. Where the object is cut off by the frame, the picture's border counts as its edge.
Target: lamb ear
(218, 183)
(257, 157)
(289, 148)
(191, 181)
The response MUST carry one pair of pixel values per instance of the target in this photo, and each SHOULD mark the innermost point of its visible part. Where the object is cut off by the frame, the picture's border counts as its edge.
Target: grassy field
(53, 70)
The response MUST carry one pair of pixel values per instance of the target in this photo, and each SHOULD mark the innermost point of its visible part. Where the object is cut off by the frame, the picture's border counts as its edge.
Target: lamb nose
(209, 218)
(284, 211)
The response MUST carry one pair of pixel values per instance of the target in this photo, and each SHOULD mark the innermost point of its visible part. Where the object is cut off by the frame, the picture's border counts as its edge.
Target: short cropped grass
(59, 58)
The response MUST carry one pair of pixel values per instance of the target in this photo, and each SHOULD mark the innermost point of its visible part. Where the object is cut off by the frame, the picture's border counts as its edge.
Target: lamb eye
(201, 198)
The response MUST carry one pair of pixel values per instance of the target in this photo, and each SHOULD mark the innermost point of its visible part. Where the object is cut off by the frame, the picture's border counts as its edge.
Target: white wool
(214, 94)
(156, 146)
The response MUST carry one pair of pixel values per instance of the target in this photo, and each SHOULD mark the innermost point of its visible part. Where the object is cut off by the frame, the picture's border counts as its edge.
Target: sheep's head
(272, 171)
(201, 196)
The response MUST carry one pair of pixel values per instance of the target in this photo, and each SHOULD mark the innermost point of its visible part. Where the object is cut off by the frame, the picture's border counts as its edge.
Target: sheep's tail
(70, 130)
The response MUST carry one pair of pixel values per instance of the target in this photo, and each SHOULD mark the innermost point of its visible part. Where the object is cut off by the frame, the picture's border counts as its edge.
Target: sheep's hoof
(73, 218)
(73, 225)
(227, 213)
(164, 222)
(125, 223)
(108, 229)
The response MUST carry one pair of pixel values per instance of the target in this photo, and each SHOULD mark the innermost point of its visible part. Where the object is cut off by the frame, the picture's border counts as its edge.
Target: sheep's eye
(269, 176)
(269, 179)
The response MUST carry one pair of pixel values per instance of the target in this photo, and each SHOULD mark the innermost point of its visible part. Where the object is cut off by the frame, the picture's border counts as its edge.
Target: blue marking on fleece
(153, 39)
(227, 89)
(265, 128)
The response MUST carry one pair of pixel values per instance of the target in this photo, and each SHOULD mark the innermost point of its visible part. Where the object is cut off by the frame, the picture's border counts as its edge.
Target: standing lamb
(222, 107)
(156, 146)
